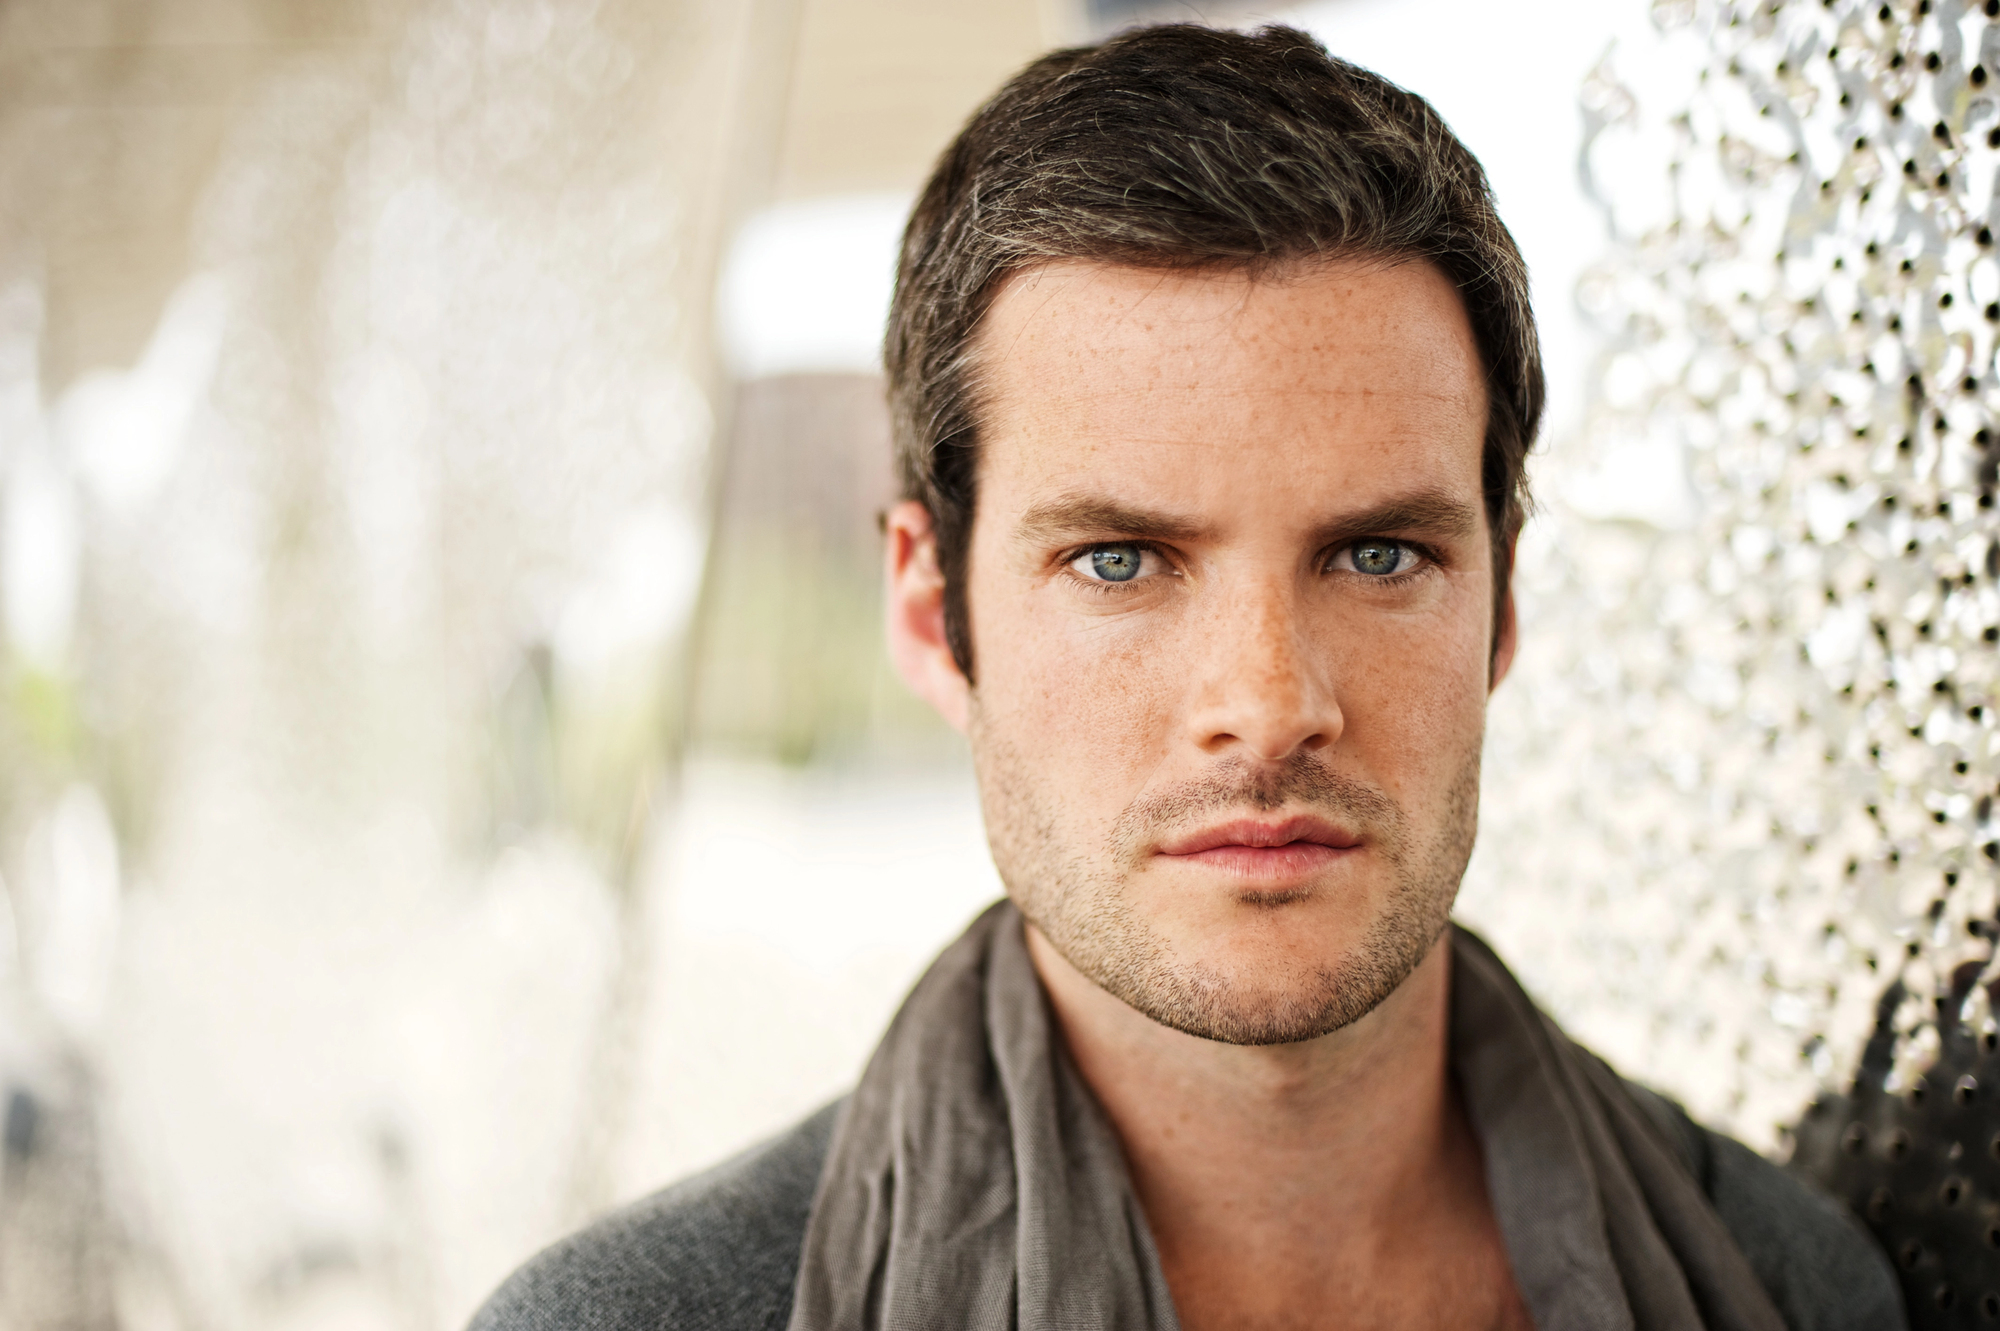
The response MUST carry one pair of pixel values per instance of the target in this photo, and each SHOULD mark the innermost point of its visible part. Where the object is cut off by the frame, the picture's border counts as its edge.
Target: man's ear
(1506, 630)
(917, 643)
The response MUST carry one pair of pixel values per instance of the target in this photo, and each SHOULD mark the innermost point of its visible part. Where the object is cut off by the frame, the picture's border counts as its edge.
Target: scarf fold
(973, 1181)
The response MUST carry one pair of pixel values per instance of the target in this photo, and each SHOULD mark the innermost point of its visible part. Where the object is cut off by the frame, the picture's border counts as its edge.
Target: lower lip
(1296, 860)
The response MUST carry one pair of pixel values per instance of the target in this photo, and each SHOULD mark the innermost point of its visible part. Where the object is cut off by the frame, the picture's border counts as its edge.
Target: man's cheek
(1095, 694)
(1113, 682)
(1411, 708)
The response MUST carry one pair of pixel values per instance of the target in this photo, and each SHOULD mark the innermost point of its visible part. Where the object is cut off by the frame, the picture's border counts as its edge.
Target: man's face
(1230, 593)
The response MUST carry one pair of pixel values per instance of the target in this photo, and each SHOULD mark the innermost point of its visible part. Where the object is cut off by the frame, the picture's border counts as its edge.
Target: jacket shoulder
(1823, 1270)
(716, 1252)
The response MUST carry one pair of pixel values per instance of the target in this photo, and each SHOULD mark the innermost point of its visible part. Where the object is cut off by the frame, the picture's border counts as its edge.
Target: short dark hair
(1184, 146)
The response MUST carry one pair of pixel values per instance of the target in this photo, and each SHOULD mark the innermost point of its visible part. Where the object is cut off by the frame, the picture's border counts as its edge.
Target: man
(1213, 375)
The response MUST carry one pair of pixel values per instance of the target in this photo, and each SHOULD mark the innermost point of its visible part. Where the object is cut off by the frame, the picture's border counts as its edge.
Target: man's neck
(1331, 1174)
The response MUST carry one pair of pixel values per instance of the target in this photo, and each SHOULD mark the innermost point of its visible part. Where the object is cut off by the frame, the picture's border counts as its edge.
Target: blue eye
(1116, 563)
(1379, 559)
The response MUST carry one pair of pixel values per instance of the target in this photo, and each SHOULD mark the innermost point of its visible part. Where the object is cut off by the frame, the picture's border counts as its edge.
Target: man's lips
(1260, 834)
(1260, 848)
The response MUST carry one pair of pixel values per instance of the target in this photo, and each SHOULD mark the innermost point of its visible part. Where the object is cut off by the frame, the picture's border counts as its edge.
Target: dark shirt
(720, 1251)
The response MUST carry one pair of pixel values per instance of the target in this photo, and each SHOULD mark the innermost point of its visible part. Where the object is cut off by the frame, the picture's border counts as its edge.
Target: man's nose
(1265, 691)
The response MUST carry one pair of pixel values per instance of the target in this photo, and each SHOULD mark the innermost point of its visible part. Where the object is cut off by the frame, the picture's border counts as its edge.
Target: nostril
(1267, 725)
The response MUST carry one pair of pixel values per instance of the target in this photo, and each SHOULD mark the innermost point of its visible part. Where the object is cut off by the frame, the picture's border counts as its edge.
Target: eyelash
(1426, 555)
(1105, 587)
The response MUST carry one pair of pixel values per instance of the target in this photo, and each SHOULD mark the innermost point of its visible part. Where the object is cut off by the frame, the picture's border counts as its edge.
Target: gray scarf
(973, 1182)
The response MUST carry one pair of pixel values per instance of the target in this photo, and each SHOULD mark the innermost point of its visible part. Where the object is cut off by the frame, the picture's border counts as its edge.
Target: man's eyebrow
(1424, 513)
(1057, 520)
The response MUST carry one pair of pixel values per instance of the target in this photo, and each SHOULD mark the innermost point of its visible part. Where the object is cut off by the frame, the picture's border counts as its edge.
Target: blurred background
(450, 781)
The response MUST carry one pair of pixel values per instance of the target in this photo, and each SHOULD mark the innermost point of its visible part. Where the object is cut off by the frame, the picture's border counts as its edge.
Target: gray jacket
(720, 1251)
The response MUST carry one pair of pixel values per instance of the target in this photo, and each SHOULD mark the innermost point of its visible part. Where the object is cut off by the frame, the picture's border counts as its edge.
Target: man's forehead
(1074, 331)
(1155, 381)
(1211, 297)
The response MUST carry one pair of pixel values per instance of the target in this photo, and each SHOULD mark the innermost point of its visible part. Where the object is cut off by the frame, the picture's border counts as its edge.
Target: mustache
(1301, 781)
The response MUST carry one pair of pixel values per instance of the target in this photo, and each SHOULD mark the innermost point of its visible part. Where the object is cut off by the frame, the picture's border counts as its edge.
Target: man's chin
(1211, 1008)
(1259, 991)
(1247, 927)
(1267, 971)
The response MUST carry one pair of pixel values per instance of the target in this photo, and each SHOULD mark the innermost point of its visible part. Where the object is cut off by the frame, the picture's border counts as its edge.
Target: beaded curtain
(1743, 777)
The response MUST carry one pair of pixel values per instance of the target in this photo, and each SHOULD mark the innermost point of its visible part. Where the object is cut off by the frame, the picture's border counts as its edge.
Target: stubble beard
(1078, 896)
